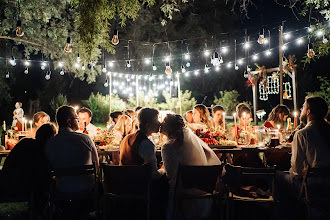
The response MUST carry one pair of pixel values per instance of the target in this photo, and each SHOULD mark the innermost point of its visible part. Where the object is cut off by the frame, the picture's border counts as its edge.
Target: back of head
(217, 108)
(45, 132)
(317, 106)
(39, 115)
(64, 113)
(138, 108)
(86, 110)
(146, 116)
(242, 107)
(274, 115)
(115, 114)
(175, 125)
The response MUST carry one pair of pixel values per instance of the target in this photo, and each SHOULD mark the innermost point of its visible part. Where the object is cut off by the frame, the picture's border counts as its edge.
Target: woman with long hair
(39, 119)
(201, 116)
(277, 116)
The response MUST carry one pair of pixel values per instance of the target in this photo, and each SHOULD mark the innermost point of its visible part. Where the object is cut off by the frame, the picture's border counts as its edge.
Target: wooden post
(110, 87)
(294, 90)
(137, 90)
(179, 92)
(255, 103)
(281, 62)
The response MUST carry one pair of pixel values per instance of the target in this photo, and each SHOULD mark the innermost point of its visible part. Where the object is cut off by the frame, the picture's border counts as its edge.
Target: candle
(244, 117)
(224, 120)
(76, 108)
(31, 126)
(278, 127)
(124, 125)
(25, 124)
(235, 124)
(295, 119)
(23, 127)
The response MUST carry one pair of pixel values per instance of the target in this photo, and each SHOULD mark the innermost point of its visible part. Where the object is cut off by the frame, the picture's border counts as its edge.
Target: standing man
(71, 149)
(85, 116)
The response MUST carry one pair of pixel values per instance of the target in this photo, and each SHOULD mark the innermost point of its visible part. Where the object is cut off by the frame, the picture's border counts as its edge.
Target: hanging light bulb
(261, 38)
(319, 33)
(236, 67)
(310, 52)
(266, 41)
(167, 59)
(183, 69)
(76, 65)
(83, 67)
(247, 45)
(62, 72)
(78, 58)
(240, 62)
(188, 63)
(310, 29)
(284, 47)
(26, 71)
(268, 52)
(104, 70)
(287, 36)
(224, 50)
(215, 59)
(168, 69)
(217, 68)
(147, 61)
(229, 65)
(7, 75)
(68, 47)
(12, 61)
(106, 84)
(19, 30)
(115, 39)
(248, 68)
(187, 56)
(128, 63)
(206, 68)
(154, 67)
(43, 65)
(221, 60)
(186, 74)
(47, 76)
(325, 40)
(255, 57)
(111, 63)
(27, 63)
(300, 41)
(60, 64)
(206, 53)
(196, 72)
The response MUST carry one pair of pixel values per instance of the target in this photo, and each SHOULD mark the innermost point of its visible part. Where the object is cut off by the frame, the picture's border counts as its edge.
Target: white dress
(18, 116)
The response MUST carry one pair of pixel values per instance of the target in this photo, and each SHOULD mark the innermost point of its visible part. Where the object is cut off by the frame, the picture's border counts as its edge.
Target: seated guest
(184, 147)
(277, 116)
(247, 159)
(122, 128)
(135, 122)
(201, 116)
(131, 113)
(310, 148)
(217, 113)
(71, 149)
(189, 116)
(26, 167)
(114, 116)
(85, 116)
(39, 119)
(136, 148)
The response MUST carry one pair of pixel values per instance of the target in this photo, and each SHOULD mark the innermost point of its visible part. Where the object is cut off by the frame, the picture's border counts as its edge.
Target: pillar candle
(244, 116)
(31, 126)
(295, 119)
(235, 124)
(224, 120)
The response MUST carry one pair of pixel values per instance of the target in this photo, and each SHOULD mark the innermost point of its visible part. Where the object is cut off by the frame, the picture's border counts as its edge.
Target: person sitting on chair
(85, 116)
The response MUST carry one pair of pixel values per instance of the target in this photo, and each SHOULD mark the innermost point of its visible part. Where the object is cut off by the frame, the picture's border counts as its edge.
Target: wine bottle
(4, 134)
(85, 128)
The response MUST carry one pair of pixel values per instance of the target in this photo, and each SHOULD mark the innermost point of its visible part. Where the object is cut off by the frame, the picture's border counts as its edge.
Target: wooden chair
(315, 192)
(126, 183)
(247, 176)
(81, 171)
(196, 183)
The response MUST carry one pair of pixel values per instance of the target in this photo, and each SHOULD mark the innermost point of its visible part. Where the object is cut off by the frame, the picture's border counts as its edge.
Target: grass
(13, 210)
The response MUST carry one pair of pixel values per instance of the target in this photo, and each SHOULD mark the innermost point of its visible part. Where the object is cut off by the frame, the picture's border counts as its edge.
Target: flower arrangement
(214, 138)
(103, 138)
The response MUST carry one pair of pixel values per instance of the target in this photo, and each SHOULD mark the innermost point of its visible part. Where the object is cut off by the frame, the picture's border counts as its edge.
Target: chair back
(204, 178)
(127, 180)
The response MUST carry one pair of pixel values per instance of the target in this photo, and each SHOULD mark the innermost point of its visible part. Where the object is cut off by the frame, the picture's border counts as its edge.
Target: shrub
(58, 101)
(228, 100)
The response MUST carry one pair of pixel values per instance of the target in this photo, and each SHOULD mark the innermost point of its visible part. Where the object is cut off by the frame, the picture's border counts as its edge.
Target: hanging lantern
(7, 75)
(47, 76)
(168, 69)
(154, 67)
(106, 84)
(62, 72)
(183, 69)
(115, 39)
(128, 63)
(19, 30)
(261, 38)
(68, 47)
(215, 59)
(310, 52)
(12, 61)
(26, 71)
(325, 40)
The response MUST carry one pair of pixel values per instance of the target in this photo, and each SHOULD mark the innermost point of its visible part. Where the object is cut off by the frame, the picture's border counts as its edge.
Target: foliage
(143, 101)
(99, 105)
(324, 91)
(58, 101)
(228, 100)
(173, 104)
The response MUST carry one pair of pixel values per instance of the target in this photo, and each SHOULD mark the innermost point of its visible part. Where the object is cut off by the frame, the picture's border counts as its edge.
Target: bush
(324, 89)
(99, 105)
(228, 100)
(187, 103)
(58, 101)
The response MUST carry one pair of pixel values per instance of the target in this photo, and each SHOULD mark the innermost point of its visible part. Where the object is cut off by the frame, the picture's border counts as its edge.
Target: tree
(173, 104)
(58, 101)
(228, 100)
(143, 101)
(324, 91)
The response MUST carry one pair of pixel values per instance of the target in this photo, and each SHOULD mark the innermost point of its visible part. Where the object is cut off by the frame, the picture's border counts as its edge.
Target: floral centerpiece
(103, 138)
(214, 138)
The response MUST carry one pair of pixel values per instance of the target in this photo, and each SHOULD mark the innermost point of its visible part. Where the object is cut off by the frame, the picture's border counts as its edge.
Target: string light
(147, 61)
(300, 41)
(111, 64)
(240, 61)
(206, 53)
(287, 36)
(224, 50)
(76, 65)
(266, 41)
(196, 72)
(83, 67)
(217, 68)
(43, 65)
(27, 63)
(255, 57)
(229, 65)
(187, 56)
(319, 33)
(247, 45)
(284, 47)
(12, 61)
(167, 59)
(268, 52)
(104, 70)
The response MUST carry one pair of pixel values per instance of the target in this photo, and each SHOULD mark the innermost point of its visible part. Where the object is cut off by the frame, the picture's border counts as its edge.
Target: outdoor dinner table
(249, 148)
(110, 155)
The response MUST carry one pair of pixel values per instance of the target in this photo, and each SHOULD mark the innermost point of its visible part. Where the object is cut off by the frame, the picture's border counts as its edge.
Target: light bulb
(111, 64)
(43, 65)
(27, 63)
(206, 70)
(183, 69)
(240, 62)
(248, 68)
(310, 29)
(104, 70)
(217, 68)
(83, 67)
(76, 65)
(319, 33)
(284, 47)
(128, 63)
(221, 60)
(287, 36)
(147, 61)
(78, 58)
(224, 50)
(167, 59)
(154, 67)
(48, 73)
(255, 57)
(325, 40)
(12, 61)
(68, 47)
(115, 38)
(206, 53)
(188, 64)
(62, 72)
(114, 91)
(7, 75)
(196, 72)
(60, 64)
(26, 71)
(229, 65)
(187, 56)
(266, 41)
(106, 84)
(236, 67)
(268, 52)
(186, 74)
(19, 30)
(247, 45)
(300, 41)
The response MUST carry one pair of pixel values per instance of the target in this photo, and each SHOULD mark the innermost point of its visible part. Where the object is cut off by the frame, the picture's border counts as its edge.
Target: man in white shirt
(71, 149)
(85, 116)
(310, 148)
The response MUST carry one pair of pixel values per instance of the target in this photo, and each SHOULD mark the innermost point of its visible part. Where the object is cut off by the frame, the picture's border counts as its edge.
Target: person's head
(172, 127)
(131, 113)
(148, 120)
(115, 116)
(189, 116)
(124, 121)
(85, 115)
(18, 105)
(66, 117)
(243, 114)
(314, 108)
(201, 114)
(45, 132)
(137, 109)
(217, 113)
(279, 114)
(40, 118)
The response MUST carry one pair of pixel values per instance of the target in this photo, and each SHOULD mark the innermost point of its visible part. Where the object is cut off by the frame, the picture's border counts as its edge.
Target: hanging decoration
(68, 47)
(273, 84)
(19, 30)
(215, 60)
(310, 52)
(263, 95)
(7, 75)
(261, 38)
(290, 64)
(254, 78)
(168, 69)
(287, 91)
(324, 40)
(115, 38)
